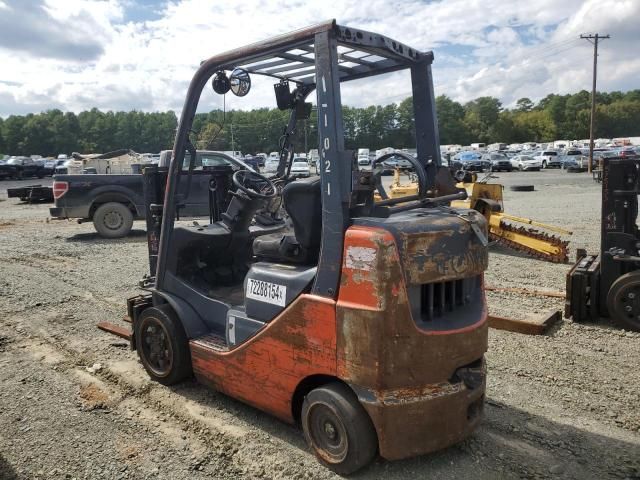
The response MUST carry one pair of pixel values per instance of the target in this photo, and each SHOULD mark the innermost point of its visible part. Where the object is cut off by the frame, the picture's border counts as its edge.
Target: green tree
(534, 126)
(480, 115)
(524, 104)
(451, 124)
(211, 137)
(3, 145)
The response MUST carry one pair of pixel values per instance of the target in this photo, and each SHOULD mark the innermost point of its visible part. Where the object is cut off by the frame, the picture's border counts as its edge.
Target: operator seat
(303, 203)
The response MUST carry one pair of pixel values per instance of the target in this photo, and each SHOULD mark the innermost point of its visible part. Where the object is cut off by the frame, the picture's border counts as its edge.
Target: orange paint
(266, 369)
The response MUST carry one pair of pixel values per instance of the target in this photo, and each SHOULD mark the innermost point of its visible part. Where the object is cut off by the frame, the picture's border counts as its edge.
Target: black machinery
(608, 284)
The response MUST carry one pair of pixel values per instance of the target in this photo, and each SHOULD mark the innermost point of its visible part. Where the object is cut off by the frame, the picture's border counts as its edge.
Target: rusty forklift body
(379, 306)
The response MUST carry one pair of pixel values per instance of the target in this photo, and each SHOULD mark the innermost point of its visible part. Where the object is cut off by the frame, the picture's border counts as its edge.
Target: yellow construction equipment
(514, 232)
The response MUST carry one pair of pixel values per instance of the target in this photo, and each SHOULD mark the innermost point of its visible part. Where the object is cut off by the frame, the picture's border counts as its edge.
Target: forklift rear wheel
(338, 428)
(113, 220)
(162, 345)
(623, 301)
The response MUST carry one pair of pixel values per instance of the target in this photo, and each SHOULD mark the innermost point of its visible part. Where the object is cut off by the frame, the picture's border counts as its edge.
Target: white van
(363, 157)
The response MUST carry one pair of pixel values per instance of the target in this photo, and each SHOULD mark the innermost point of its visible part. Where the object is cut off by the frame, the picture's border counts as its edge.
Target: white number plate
(267, 292)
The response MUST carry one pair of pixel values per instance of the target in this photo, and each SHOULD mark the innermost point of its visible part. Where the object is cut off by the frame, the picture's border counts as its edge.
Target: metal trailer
(608, 284)
(365, 322)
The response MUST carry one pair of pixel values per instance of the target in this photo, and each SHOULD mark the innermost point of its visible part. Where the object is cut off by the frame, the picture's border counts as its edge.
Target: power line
(593, 39)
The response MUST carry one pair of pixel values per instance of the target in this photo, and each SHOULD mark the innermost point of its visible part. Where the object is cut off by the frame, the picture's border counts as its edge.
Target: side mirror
(220, 83)
(240, 82)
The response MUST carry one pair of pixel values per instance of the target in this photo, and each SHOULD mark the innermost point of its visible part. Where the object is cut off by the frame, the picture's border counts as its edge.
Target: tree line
(260, 130)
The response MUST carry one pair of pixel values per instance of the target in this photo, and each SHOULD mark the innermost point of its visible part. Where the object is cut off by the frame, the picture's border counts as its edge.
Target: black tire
(544, 164)
(338, 429)
(162, 345)
(521, 188)
(113, 220)
(623, 301)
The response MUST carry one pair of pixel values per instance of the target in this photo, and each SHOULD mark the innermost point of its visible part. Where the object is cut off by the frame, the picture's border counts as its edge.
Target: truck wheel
(113, 220)
(544, 164)
(162, 345)
(338, 429)
(623, 301)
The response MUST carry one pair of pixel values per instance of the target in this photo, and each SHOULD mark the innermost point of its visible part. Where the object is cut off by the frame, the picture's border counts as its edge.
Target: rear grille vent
(435, 303)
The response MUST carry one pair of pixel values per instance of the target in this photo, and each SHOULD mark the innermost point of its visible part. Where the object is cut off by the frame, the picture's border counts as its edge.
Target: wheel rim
(627, 303)
(328, 434)
(113, 220)
(156, 347)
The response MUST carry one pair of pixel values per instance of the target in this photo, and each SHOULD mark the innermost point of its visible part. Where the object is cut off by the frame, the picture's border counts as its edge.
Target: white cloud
(147, 64)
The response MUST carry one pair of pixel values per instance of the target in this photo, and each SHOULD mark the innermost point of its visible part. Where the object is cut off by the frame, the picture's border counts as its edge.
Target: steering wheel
(418, 167)
(243, 180)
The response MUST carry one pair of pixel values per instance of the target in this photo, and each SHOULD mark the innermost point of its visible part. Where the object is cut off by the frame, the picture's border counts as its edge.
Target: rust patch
(93, 397)
(412, 395)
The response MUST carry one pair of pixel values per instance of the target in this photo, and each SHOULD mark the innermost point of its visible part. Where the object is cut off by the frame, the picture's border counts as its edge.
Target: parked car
(262, 157)
(49, 166)
(300, 168)
(499, 162)
(21, 167)
(470, 161)
(397, 162)
(574, 158)
(548, 158)
(526, 163)
(271, 165)
(628, 152)
(253, 161)
(363, 157)
(313, 157)
(390, 164)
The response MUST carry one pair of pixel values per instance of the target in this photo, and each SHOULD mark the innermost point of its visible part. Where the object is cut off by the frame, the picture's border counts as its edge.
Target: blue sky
(141, 54)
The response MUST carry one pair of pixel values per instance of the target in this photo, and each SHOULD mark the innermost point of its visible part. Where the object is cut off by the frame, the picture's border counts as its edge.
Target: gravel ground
(75, 403)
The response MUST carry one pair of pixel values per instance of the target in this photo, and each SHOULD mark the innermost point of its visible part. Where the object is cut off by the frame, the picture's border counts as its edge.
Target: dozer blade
(530, 241)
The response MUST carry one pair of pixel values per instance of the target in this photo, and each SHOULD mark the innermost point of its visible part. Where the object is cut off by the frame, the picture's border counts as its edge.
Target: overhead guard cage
(319, 57)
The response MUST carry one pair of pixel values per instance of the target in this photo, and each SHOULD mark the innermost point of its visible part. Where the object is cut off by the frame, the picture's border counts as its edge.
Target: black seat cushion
(303, 203)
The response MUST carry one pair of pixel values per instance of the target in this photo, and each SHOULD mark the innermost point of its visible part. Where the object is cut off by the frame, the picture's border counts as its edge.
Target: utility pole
(305, 135)
(233, 148)
(593, 39)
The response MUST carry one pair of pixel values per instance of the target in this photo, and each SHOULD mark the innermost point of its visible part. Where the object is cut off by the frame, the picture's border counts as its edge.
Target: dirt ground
(75, 402)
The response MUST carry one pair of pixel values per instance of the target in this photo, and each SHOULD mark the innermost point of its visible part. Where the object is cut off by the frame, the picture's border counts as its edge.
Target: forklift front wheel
(162, 345)
(623, 301)
(338, 428)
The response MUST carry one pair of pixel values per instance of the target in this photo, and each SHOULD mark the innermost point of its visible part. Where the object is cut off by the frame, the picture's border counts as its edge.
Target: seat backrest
(303, 203)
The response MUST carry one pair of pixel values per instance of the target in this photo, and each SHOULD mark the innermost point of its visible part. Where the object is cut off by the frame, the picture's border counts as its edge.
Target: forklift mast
(603, 285)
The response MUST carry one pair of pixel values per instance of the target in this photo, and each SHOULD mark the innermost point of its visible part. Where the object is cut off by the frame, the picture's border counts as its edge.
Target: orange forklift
(364, 321)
